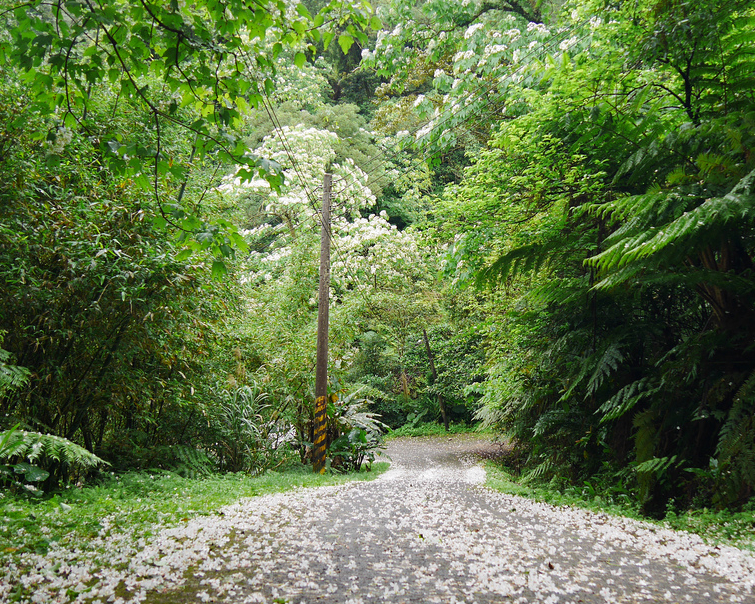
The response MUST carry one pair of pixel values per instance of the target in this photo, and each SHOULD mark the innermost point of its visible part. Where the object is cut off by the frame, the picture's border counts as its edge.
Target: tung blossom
(472, 29)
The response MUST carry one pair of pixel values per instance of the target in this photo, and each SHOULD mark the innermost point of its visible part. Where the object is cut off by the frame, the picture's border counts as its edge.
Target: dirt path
(428, 531)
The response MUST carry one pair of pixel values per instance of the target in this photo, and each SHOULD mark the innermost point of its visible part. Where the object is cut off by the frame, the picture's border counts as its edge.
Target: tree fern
(42, 448)
(594, 369)
(656, 465)
(735, 452)
(520, 260)
(607, 364)
(712, 220)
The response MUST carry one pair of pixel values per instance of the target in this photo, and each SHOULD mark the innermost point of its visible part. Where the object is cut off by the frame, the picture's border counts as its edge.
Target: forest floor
(425, 531)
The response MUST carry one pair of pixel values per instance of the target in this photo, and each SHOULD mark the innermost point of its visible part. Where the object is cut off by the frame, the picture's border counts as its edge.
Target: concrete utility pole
(321, 372)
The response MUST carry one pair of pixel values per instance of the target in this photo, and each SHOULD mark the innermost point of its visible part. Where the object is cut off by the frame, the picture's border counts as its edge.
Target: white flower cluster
(568, 43)
(63, 136)
(472, 29)
(303, 157)
(538, 28)
(463, 55)
(374, 248)
(302, 87)
(363, 245)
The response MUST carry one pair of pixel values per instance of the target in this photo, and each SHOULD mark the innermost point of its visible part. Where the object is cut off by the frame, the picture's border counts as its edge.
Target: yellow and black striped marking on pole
(318, 456)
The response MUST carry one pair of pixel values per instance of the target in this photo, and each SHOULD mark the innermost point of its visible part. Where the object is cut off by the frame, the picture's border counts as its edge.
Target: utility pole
(321, 372)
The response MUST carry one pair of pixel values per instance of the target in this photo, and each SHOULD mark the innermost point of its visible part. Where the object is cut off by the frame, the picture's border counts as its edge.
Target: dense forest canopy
(543, 221)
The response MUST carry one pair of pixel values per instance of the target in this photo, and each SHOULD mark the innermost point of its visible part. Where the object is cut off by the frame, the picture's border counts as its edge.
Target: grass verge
(714, 526)
(141, 502)
(433, 429)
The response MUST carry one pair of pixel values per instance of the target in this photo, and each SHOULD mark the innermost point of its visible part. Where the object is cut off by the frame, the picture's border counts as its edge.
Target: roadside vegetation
(722, 526)
(434, 429)
(134, 506)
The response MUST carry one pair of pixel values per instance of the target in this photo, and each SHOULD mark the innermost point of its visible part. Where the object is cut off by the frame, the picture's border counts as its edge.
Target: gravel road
(428, 531)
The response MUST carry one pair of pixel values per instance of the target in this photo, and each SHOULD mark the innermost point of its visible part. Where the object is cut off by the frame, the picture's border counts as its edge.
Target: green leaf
(300, 59)
(376, 24)
(219, 269)
(239, 242)
(52, 160)
(30, 472)
(345, 41)
(184, 254)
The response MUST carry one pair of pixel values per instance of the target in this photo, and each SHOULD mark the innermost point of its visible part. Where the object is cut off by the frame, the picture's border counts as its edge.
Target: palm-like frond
(636, 243)
(37, 447)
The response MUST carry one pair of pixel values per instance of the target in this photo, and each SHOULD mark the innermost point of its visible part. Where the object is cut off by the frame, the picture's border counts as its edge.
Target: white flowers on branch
(365, 250)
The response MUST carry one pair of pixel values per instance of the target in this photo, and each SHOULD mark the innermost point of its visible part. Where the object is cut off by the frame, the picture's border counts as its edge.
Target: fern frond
(656, 465)
(619, 277)
(543, 469)
(191, 462)
(518, 261)
(558, 291)
(693, 230)
(607, 364)
(595, 368)
(10, 443)
(625, 400)
(11, 376)
(35, 446)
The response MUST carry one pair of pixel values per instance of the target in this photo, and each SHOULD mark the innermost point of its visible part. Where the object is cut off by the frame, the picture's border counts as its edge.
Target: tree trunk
(430, 357)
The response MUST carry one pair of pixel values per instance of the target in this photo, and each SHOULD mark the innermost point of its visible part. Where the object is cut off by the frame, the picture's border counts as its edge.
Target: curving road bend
(428, 531)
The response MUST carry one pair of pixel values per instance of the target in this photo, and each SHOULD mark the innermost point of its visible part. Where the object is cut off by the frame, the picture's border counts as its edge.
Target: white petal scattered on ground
(427, 531)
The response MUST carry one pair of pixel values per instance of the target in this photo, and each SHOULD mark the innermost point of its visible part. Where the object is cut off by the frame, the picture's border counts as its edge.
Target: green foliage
(733, 468)
(188, 67)
(356, 434)
(611, 213)
(247, 438)
(41, 451)
(189, 462)
(38, 447)
(13, 473)
(111, 328)
(412, 429)
(11, 376)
